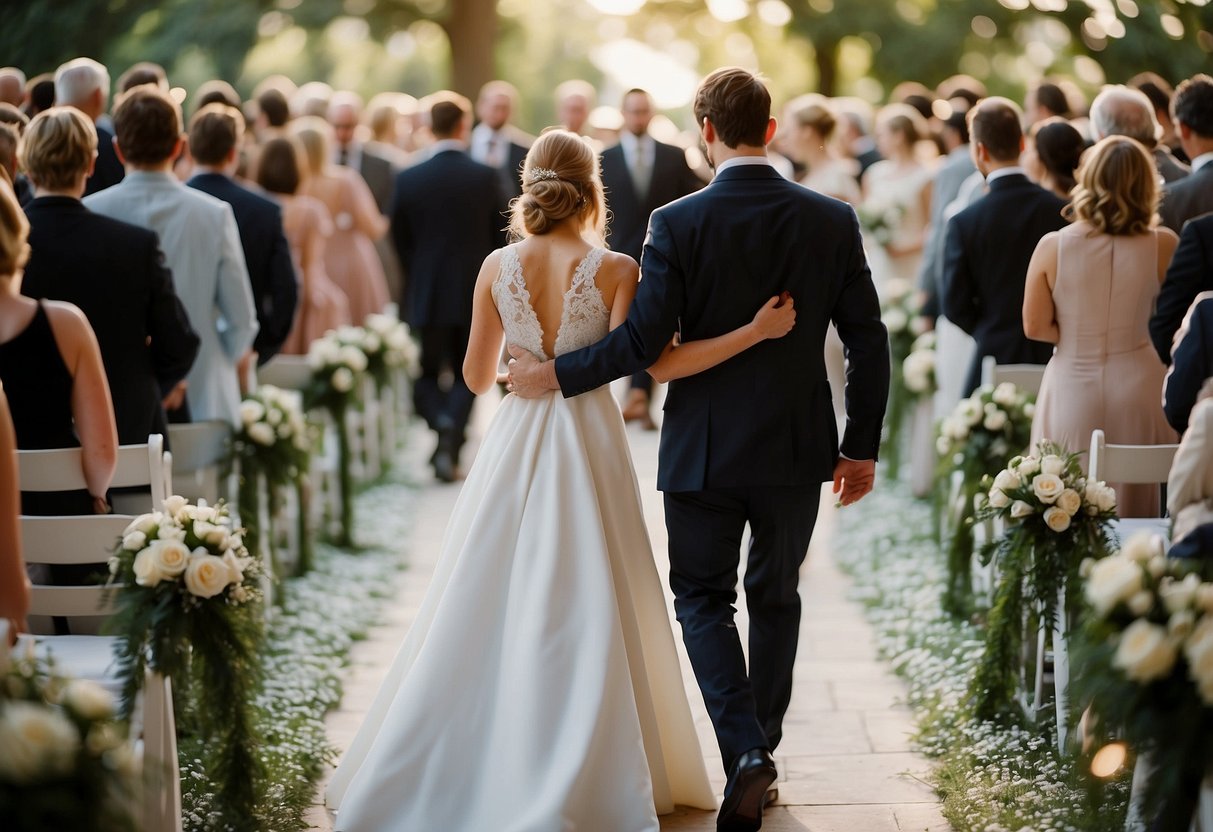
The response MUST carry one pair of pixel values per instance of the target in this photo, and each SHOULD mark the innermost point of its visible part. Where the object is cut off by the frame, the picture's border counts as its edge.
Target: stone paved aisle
(845, 762)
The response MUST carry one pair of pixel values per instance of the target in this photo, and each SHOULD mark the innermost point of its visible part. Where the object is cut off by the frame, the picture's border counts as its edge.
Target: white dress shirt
(490, 147)
(1202, 160)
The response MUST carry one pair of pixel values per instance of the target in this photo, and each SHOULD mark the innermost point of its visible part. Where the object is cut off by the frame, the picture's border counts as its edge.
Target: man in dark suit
(1190, 273)
(113, 271)
(752, 439)
(1192, 112)
(495, 141)
(988, 245)
(445, 221)
(1191, 362)
(640, 174)
(85, 84)
(215, 135)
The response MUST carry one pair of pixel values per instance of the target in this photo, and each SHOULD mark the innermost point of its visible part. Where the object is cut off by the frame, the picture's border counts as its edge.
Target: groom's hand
(529, 378)
(853, 479)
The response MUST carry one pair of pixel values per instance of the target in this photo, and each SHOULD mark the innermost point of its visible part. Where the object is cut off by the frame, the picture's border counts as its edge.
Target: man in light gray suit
(956, 168)
(201, 244)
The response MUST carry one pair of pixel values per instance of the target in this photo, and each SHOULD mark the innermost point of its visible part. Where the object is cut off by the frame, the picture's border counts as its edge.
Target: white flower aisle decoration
(1054, 518)
(65, 762)
(274, 445)
(977, 439)
(878, 219)
(1144, 662)
(338, 362)
(189, 607)
(900, 314)
(388, 346)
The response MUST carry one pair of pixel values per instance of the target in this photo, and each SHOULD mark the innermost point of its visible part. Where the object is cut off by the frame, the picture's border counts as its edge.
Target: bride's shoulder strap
(588, 270)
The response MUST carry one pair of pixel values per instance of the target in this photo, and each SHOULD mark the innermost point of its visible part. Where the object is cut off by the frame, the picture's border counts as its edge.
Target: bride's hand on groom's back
(853, 479)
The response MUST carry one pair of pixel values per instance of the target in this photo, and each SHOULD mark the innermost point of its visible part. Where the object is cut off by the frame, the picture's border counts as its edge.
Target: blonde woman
(539, 687)
(811, 142)
(1090, 290)
(14, 584)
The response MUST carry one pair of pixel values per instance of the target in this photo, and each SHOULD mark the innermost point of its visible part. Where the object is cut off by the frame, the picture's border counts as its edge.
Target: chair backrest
(61, 469)
(289, 372)
(162, 777)
(64, 541)
(1129, 463)
(199, 451)
(1025, 376)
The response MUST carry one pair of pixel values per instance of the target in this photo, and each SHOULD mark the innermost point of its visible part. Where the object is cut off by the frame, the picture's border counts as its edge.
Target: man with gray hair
(12, 86)
(1123, 111)
(85, 84)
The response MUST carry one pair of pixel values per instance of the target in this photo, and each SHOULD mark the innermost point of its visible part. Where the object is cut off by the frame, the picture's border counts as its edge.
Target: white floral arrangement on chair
(879, 219)
(918, 368)
(388, 346)
(900, 314)
(188, 601)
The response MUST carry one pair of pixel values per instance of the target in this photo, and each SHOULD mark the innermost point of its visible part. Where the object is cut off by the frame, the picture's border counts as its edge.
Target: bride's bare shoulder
(618, 266)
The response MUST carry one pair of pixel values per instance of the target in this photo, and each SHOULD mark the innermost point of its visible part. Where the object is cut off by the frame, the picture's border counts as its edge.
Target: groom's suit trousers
(705, 530)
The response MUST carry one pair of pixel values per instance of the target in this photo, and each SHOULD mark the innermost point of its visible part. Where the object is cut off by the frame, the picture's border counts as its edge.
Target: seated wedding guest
(14, 583)
(216, 134)
(143, 73)
(12, 86)
(53, 376)
(321, 304)
(85, 85)
(1052, 155)
(40, 94)
(1090, 288)
(1190, 486)
(1191, 362)
(201, 244)
(1124, 111)
(1160, 92)
(1190, 273)
(1192, 111)
(350, 256)
(113, 271)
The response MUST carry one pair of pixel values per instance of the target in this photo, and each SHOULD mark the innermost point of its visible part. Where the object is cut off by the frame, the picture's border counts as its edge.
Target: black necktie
(343, 157)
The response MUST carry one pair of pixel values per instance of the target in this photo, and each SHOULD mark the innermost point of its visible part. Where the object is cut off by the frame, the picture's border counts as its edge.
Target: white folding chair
(161, 805)
(1025, 376)
(199, 451)
(1132, 464)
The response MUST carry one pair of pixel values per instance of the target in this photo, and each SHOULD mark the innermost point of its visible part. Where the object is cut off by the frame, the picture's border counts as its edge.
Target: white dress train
(539, 688)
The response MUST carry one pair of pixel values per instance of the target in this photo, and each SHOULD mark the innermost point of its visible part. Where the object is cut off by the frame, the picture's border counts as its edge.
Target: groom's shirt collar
(738, 161)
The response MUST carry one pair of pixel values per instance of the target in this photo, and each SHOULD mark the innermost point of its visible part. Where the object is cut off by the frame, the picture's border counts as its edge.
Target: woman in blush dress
(1090, 290)
(811, 142)
(349, 257)
(1051, 157)
(322, 305)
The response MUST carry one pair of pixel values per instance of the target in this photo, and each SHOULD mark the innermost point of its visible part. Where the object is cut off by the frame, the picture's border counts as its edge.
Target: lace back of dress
(513, 301)
(586, 319)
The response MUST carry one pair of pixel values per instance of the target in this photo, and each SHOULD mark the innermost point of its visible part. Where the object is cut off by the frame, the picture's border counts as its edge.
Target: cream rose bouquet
(1054, 518)
(65, 762)
(189, 605)
(978, 438)
(1144, 661)
(918, 368)
(387, 345)
(899, 312)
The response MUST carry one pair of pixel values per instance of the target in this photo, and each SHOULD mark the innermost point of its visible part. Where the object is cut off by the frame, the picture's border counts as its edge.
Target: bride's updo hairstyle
(1117, 192)
(560, 179)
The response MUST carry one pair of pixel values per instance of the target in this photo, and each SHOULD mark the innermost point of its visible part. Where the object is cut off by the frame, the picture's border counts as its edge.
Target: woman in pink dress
(1090, 290)
(350, 256)
(322, 305)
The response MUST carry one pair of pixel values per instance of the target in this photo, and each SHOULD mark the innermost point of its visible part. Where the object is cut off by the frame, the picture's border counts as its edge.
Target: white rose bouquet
(65, 762)
(1054, 518)
(189, 605)
(878, 220)
(1144, 661)
(387, 345)
(918, 368)
(977, 438)
(900, 314)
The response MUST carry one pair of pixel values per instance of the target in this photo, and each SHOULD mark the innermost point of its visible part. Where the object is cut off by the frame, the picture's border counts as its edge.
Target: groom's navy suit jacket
(764, 417)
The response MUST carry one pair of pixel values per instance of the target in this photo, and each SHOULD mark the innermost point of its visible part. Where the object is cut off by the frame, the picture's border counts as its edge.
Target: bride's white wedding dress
(539, 689)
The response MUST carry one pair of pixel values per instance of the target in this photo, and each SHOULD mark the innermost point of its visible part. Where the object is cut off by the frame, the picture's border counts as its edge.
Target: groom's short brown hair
(737, 103)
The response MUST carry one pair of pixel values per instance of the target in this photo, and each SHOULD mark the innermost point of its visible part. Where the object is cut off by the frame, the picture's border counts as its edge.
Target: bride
(539, 688)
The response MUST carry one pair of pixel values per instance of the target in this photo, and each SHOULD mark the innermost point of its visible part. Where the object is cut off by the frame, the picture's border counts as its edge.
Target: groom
(751, 440)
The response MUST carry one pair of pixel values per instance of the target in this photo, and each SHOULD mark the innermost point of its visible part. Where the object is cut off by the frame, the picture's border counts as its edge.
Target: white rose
(1052, 464)
(262, 433)
(995, 421)
(342, 380)
(251, 411)
(143, 523)
(1181, 623)
(88, 700)
(315, 355)
(1020, 509)
(174, 506)
(36, 742)
(170, 557)
(1047, 487)
(1100, 495)
(274, 415)
(284, 430)
(895, 320)
(1007, 480)
(1029, 410)
(998, 498)
(134, 541)
(371, 343)
(1028, 467)
(919, 325)
(353, 358)
(235, 566)
(1141, 602)
(1006, 394)
(147, 573)
(1069, 501)
(206, 576)
(1145, 653)
(202, 512)
(971, 412)
(1178, 595)
(1204, 597)
(1157, 565)
(1113, 579)
(1057, 519)
(214, 534)
(170, 531)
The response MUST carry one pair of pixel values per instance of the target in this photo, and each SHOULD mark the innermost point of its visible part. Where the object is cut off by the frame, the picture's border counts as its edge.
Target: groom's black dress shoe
(745, 794)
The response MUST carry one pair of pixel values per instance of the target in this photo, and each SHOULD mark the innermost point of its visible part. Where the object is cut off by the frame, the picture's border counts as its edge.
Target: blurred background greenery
(839, 47)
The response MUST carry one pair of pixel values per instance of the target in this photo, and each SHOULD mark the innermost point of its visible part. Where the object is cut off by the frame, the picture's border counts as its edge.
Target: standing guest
(1190, 273)
(389, 118)
(495, 141)
(40, 94)
(144, 72)
(640, 174)
(14, 583)
(945, 185)
(322, 305)
(273, 111)
(1124, 111)
(85, 85)
(811, 127)
(53, 376)
(113, 271)
(1192, 111)
(1190, 486)
(12, 86)
(574, 101)
(350, 257)
(216, 133)
(1052, 154)
(1045, 99)
(1191, 362)
(1160, 93)
(989, 244)
(202, 245)
(1090, 288)
(12, 125)
(855, 132)
(441, 245)
(217, 91)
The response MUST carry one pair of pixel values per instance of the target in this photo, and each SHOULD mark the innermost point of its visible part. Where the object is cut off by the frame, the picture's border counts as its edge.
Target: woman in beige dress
(1090, 290)
(322, 305)
(350, 256)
